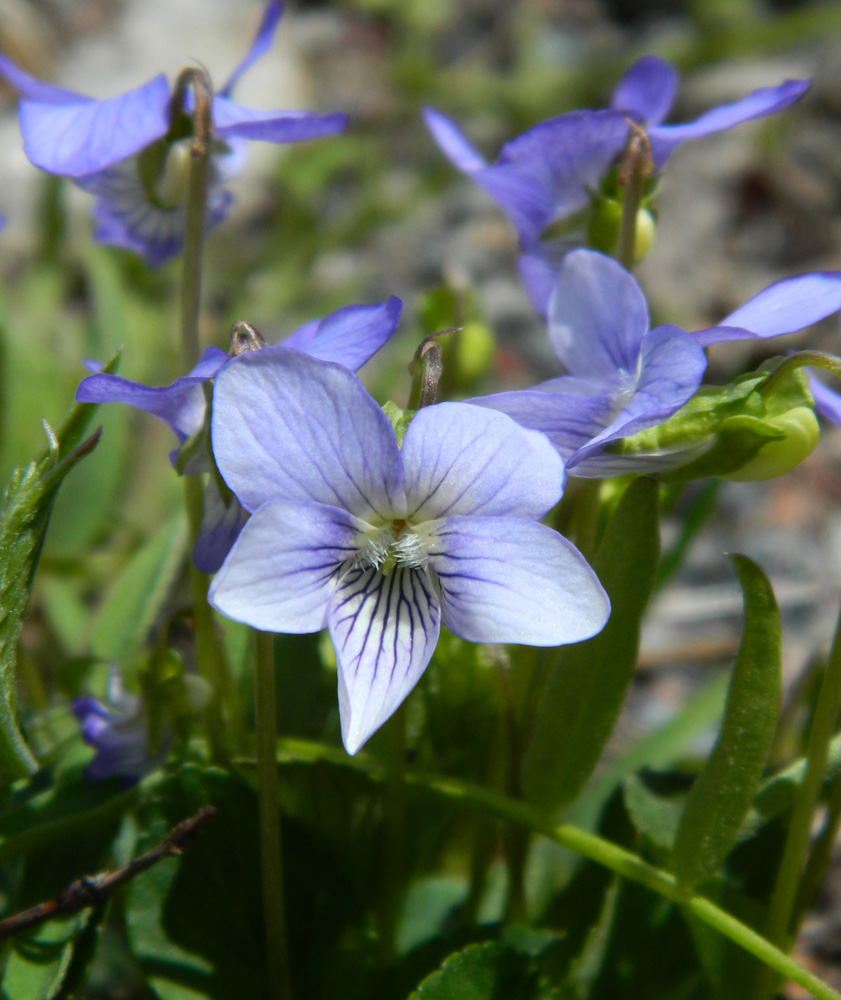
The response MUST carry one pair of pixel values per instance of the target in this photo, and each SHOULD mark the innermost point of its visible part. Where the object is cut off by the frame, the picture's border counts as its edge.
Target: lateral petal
(231, 119)
(283, 568)
(289, 427)
(385, 629)
(460, 459)
(506, 579)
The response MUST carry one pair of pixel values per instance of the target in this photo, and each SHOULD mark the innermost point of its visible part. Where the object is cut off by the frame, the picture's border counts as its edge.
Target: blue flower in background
(622, 377)
(132, 152)
(383, 545)
(350, 337)
(547, 174)
(118, 731)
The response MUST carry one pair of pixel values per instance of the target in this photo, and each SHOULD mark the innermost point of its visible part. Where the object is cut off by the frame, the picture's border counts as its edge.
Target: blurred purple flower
(350, 337)
(623, 377)
(547, 174)
(118, 731)
(132, 152)
(381, 544)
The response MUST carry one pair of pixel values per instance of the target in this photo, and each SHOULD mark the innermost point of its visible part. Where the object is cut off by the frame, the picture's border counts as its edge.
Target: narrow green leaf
(24, 515)
(139, 594)
(586, 688)
(721, 797)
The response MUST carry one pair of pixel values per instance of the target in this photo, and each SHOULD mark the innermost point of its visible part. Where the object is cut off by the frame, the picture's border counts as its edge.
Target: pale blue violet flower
(381, 544)
(549, 173)
(132, 151)
(350, 337)
(119, 733)
(623, 377)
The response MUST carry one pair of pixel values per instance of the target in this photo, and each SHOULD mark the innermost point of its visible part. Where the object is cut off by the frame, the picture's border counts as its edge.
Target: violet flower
(133, 153)
(118, 731)
(350, 337)
(622, 376)
(382, 545)
(547, 175)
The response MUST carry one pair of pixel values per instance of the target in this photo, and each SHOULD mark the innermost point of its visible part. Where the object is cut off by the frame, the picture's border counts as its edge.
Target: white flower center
(400, 544)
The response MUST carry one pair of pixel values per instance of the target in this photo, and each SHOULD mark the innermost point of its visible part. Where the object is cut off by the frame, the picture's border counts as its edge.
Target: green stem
(636, 168)
(820, 857)
(196, 208)
(271, 850)
(781, 909)
(394, 832)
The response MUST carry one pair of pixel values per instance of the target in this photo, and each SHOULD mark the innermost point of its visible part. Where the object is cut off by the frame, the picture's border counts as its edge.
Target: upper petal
(784, 307)
(260, 46)
(453, 142)
(505, 579)
(647, 91)
(598, 318)
(73, 139)
(231, 119)
(283, 568)
(460, 459)
(349, 336)
(385, 629)
(180, 405)
(765, 101)
(286, 426)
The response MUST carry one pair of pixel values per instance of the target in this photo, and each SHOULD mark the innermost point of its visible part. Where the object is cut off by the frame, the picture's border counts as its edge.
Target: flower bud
(606, 221)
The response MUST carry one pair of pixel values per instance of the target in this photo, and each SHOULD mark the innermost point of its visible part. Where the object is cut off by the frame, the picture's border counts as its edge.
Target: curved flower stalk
(382, 545)
(624, 377)
(119, 733)
(132, 151)
(349, 336)
(544, 178)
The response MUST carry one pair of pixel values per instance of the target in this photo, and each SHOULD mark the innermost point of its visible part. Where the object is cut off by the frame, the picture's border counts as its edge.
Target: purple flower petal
(259, 47)
(463, 460)
(180, 405)
(37, 90)
(784, 307)
(511, 580)
(598, 318)
(453, 142)
(286, 426)
(647, 91)
(765, 101)
(125, 216)
(538, 271)
(827, 400)
(81, 138)
(349, 336)
(384, 629)
(672, 366)
(230, 119)
(284, 567)
(568, 420)
(220, 527)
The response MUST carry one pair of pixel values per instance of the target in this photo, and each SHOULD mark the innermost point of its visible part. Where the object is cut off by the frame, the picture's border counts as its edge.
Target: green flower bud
(606, 221)
(749, 430)
(473, 348)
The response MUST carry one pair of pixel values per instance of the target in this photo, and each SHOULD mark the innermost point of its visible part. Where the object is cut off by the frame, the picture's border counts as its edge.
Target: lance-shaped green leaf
(723, 792)
(24, 515)
(588, 681)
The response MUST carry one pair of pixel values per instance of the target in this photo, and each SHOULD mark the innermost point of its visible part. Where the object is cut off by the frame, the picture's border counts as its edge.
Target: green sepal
(757, 427)
(400, 420)
(723, 793)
